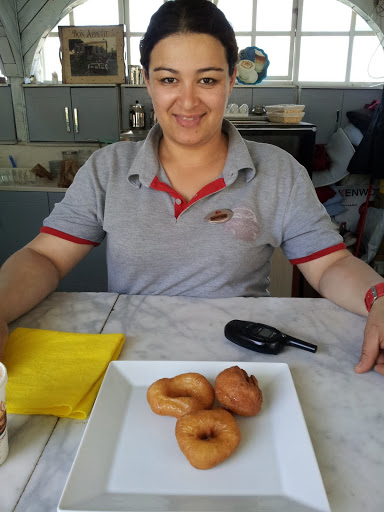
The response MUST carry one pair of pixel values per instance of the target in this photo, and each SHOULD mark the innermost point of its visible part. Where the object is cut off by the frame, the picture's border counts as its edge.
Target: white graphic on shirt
(243, 224)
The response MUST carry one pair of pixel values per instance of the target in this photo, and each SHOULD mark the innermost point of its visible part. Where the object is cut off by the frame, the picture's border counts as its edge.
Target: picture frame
(92, 54)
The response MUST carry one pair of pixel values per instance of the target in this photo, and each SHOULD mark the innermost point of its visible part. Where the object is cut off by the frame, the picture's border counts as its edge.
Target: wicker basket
(285, 118)
(286, 108)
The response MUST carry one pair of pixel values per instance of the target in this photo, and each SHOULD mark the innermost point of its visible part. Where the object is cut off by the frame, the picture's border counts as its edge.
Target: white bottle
(55, 78)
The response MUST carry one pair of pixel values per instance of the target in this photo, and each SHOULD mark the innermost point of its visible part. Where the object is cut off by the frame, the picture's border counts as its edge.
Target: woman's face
(189, 85)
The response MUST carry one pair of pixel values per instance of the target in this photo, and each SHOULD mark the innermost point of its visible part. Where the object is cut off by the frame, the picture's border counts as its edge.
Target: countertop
(42, 185)
(344, 411)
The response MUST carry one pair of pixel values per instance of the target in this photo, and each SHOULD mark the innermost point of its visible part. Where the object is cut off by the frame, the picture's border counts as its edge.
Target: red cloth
(321, 160)
(372, 105)
(324, 193)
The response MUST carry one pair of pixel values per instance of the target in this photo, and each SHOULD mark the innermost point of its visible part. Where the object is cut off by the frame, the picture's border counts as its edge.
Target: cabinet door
(274, 96)
(96, 113)
(21, 217)
(322, 108)
(49, 113)
(90, 275)
(7, 123)
(355, 99)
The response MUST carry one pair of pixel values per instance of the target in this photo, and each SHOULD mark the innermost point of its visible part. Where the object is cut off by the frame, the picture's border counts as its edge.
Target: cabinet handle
(67, 120)
(76, 120)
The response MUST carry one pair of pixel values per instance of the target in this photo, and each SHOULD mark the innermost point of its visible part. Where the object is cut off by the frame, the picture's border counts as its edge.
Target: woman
(194, 209)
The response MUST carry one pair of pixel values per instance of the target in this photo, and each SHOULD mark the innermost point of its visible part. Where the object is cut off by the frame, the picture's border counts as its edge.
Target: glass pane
(361, 24)
(63, 22)
(51, 58)
(277, 49)
(323, 58)
(274, 16)
(135, 51)
(326, 16)
(140, 12)
(364, 69)
(97, 12)
(240, 19)
(243, 42)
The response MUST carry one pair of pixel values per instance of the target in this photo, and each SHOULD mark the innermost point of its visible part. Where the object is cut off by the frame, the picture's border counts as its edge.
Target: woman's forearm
(346, 282)
(26, 278)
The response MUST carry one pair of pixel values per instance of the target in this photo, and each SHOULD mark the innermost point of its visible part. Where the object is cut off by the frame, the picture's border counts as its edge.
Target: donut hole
(206, 436)
(177, 392)
(211, 432)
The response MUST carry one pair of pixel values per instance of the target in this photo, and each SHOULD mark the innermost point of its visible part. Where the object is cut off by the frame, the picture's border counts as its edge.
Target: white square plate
(129, 459)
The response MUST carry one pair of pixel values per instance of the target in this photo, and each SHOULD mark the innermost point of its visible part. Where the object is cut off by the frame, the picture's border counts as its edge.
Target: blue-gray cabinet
(7, 119)
(21, 217)
(327, 108)
(322, 108)
(72, 114)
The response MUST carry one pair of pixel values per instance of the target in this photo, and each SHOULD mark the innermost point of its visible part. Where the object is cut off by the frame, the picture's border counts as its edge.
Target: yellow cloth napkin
(58, 373)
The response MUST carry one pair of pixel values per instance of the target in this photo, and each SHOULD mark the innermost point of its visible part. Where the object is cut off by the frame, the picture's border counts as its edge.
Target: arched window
(307, 41)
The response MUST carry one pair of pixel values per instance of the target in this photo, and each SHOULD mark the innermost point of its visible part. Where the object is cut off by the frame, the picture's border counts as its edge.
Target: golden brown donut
(184, 393)
(238, 392)
(207, 438)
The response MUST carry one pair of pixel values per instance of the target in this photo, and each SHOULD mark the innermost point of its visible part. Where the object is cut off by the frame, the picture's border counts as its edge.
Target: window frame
(295, 34)
(351, 34)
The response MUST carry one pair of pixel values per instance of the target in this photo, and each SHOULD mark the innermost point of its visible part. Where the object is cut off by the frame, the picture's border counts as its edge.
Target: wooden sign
(92, 54)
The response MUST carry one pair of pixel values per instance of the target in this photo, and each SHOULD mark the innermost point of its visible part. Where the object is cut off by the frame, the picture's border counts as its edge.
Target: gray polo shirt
(159, 244)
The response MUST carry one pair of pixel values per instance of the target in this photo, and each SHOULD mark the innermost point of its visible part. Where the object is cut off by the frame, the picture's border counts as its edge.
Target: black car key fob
(262, 338)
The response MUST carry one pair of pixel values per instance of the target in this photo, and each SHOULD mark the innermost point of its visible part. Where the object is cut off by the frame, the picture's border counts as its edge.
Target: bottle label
(3, 432)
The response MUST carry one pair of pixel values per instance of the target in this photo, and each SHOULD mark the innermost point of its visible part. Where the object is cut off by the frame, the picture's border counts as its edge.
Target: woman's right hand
(3, 337)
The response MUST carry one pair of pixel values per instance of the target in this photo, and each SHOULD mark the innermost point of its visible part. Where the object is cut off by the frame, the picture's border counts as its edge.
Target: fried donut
(238, 392)
(182, 394)
(207, 438)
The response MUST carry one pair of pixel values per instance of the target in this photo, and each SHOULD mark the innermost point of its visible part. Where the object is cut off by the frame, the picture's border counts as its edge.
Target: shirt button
(178, 201)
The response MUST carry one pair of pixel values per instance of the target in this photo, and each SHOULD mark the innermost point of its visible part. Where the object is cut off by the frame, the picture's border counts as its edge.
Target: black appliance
(297, 139)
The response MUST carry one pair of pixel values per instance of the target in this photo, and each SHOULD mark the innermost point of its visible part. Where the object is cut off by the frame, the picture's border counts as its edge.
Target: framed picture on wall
(92, 54)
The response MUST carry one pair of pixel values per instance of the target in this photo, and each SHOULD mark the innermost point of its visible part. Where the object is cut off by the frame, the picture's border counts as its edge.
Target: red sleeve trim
(319, 254)
(65, 236)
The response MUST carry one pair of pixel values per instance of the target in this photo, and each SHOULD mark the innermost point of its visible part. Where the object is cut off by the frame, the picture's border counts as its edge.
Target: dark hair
(189, 16)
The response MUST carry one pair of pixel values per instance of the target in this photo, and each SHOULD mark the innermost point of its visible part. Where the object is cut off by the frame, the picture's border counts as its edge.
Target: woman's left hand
(372, 352)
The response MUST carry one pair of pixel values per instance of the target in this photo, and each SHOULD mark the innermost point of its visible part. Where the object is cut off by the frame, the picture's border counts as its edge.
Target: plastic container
(285, 107)
(55, 168)
(285, 118)
(6, 176)
(24, 176)
(84, 154)
(17, 175)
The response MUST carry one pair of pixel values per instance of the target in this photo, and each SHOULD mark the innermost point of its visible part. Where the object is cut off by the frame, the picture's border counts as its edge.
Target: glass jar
(70, 155)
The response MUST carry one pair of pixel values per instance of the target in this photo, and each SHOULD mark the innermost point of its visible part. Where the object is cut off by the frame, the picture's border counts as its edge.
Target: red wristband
(373, 294)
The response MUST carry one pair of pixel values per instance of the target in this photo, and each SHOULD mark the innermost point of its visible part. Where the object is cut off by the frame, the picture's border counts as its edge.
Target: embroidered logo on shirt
(243, 225)
(219, 216)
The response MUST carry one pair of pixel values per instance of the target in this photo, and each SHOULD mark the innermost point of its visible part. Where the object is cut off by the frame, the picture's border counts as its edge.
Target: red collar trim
(211, 188)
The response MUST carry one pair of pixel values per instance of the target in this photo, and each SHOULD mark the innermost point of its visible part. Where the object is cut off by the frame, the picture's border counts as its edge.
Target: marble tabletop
(344, 412)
